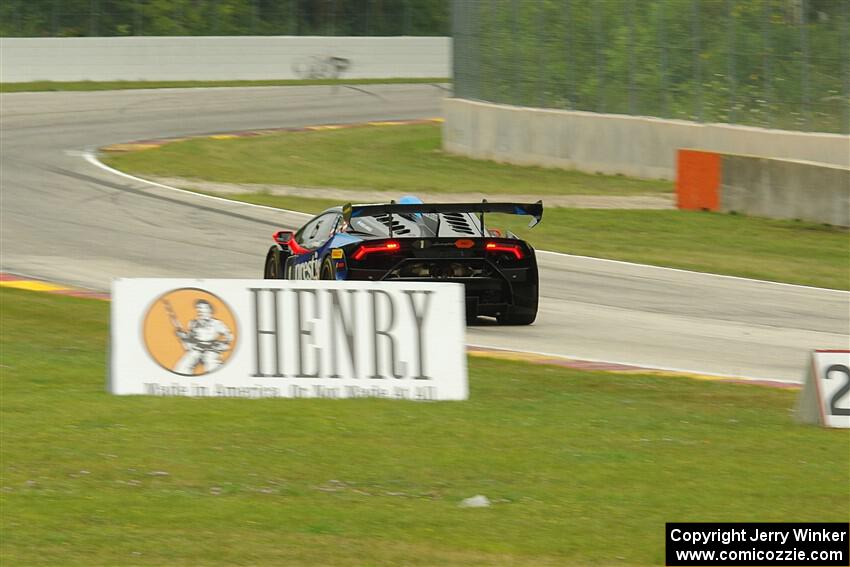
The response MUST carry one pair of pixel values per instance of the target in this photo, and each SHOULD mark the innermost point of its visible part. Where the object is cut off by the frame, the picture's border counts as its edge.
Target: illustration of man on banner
(204, 341)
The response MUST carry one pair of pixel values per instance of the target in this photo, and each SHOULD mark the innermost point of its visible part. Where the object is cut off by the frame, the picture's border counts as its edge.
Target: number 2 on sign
(841, 392)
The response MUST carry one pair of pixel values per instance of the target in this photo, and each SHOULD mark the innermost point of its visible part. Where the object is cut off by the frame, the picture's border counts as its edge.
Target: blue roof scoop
(411, 200)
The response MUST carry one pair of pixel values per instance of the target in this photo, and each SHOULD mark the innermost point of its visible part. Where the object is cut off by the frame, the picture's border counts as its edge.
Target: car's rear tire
(518, 316)
(327, 271)
(524, 309)
(273, 269)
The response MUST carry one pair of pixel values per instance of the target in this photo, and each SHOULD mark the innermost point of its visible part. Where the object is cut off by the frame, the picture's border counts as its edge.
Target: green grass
(38, 86)
(767, 249)
(403, 158)
(583, 468)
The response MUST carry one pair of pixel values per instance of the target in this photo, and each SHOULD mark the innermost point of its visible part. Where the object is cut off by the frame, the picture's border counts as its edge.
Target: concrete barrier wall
(216, 58)
(763, 187)
(614, 143)
(785, 189)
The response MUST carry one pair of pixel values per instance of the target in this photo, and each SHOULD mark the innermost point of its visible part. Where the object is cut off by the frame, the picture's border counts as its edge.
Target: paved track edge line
(639, 368)
(91, 158)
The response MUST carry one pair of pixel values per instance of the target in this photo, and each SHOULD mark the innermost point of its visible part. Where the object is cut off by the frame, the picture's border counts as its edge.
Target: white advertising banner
(289, 339)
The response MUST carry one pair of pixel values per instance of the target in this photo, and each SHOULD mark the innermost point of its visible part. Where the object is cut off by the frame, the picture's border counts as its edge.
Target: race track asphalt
(67, 220)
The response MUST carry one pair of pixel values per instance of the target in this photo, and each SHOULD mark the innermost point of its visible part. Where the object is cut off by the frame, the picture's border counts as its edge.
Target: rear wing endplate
(534, 210)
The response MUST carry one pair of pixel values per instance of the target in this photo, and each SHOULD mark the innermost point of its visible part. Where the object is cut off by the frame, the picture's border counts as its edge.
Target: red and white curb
(31, 284)
(155, 143)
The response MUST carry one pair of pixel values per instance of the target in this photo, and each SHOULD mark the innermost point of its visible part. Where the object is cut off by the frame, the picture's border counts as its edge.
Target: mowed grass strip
(404, 158)
(582, 468)
(40, 86)
(766, 249)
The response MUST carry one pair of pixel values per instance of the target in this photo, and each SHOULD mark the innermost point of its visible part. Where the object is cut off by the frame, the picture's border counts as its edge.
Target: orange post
(698, 180)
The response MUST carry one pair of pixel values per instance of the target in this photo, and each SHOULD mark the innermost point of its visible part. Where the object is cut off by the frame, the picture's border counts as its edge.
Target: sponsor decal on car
(307, 270)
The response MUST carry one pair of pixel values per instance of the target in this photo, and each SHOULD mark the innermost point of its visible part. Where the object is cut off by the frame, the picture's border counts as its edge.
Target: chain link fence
(75, 18)
(770, 63)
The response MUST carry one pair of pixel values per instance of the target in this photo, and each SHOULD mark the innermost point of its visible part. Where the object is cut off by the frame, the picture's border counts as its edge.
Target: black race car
(415, 241)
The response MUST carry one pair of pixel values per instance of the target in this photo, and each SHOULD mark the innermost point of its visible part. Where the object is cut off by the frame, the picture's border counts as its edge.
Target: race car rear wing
(534, 210)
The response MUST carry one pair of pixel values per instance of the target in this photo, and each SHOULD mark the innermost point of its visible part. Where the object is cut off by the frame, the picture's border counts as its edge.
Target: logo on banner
(190, 332)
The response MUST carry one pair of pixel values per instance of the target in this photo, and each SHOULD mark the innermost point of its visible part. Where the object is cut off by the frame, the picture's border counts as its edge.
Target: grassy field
(582, 468)
(765, 249)
(38, 86)
(403, 158)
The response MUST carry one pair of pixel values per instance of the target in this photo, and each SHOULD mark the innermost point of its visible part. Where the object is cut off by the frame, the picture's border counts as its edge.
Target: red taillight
(500, 247)
(388, 246)
(464, 243)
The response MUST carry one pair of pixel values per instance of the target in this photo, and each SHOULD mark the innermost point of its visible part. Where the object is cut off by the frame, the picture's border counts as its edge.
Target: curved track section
(65, 219)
